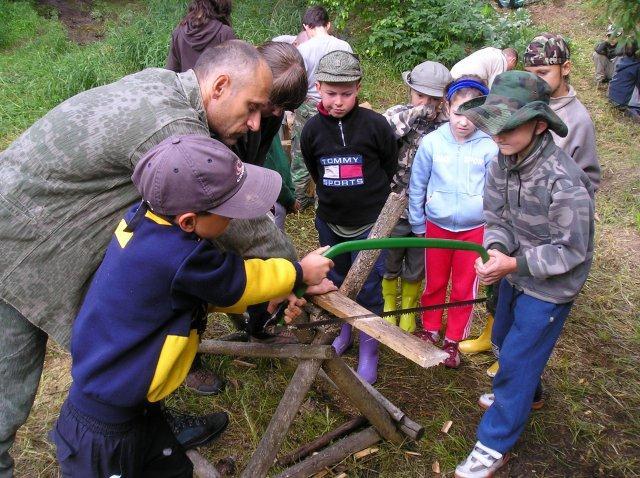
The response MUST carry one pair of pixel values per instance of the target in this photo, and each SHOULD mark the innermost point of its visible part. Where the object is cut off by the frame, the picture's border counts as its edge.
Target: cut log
(349, 385)
(333, 454)
(423, 353)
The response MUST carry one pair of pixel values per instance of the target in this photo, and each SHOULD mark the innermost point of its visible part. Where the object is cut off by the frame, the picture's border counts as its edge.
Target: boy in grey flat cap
(351, 154)
(410, 122)
(137, 331)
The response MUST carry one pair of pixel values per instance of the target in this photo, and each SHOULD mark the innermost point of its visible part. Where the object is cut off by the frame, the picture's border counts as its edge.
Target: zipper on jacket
(344, 143)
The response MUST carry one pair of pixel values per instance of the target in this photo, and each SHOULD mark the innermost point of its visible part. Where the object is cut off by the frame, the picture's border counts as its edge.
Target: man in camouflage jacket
(538, 206)
(66, 182)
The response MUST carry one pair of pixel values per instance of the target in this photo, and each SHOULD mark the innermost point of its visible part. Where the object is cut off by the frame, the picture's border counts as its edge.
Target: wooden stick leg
(350, 386)
(334, 454)
(322, 441)
(300, 351)
(201, 466)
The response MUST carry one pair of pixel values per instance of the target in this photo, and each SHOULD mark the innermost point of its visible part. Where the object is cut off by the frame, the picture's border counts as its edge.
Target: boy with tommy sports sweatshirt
(137, 331)
(351, 154)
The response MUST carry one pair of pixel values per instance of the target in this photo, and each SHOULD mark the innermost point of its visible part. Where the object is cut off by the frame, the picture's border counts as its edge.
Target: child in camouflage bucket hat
(538, 206)
(548, 57)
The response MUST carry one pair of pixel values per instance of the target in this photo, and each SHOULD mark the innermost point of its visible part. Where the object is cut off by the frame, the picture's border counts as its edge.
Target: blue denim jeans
(370, 295)
(525, 331)
(22, 349)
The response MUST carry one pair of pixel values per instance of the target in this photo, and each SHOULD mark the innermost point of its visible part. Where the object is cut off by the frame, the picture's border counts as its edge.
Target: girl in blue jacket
(445, 201)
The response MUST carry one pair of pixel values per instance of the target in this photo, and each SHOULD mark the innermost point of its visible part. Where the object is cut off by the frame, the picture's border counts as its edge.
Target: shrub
(412, 31)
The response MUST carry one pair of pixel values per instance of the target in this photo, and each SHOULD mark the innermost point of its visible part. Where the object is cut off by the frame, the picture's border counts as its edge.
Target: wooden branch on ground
(423, 353)
(406, 425)
(333, 454)
(322, 441)
(297, 351)
(201, 466)
(349, 385)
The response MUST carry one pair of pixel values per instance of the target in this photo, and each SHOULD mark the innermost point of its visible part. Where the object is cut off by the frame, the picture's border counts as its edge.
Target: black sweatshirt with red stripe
(352, 161)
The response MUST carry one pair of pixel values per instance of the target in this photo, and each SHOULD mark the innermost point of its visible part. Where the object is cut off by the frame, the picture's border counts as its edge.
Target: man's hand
(322, 288)
(498, 266)
(315, 266)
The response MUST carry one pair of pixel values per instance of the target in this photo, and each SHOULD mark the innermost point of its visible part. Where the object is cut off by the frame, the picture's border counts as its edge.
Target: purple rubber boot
(368, 358)
(343, 341)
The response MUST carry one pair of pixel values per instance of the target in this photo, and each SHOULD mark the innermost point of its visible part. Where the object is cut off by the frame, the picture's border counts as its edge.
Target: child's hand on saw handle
(315, 266)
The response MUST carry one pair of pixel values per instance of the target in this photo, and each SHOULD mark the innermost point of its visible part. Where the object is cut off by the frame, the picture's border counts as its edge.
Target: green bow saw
(392, 243)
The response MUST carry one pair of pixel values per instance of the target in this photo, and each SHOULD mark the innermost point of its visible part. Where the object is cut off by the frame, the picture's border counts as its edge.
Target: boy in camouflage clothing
(538, 205)
(410, 123)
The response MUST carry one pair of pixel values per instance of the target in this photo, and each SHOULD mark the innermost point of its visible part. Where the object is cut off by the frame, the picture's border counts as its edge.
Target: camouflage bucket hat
(515, 98)
(546, 49)
(339, 67)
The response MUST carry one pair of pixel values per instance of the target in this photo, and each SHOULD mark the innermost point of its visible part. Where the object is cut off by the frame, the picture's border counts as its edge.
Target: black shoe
(193, 431)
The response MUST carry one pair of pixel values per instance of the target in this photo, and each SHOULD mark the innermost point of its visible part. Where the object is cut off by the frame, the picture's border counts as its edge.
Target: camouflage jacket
(409, 124)
(66, 182)
(540, 211)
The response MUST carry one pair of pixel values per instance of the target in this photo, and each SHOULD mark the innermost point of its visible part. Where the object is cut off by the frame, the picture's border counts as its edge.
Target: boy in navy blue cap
(137, 331)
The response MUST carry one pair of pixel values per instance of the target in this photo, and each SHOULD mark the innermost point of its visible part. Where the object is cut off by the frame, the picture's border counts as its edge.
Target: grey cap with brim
(339, 67)
(516, 97)
(429, 78)
(195, 173)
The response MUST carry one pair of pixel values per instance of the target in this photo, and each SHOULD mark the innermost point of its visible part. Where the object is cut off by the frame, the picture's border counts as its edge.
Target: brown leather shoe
(203, 380)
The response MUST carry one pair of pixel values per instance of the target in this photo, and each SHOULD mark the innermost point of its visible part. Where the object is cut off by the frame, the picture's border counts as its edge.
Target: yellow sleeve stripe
(266, 280)
(173, 365)
(157, 219)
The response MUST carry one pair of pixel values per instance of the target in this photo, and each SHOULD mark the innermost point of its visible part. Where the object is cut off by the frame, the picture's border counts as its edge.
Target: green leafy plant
(623, 13)
(412, 31)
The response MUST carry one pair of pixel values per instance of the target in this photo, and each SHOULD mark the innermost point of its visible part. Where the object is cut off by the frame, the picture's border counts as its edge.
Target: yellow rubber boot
(493, 370)
(389, 294)
(410, 296)
(482, 343)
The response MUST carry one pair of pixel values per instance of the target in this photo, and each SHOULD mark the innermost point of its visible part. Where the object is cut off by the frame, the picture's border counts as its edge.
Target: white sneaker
(482, 462)
(487, 399)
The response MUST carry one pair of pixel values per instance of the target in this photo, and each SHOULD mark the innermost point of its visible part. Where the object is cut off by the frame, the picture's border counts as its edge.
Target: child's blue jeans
(525, 330)
(370, 295)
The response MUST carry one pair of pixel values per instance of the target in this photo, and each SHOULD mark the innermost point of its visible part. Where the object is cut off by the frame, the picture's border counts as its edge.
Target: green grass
(590, 425)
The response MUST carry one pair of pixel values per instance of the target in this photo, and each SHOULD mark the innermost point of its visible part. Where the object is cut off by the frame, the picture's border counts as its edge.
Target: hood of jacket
(199, 37)
(562, 101)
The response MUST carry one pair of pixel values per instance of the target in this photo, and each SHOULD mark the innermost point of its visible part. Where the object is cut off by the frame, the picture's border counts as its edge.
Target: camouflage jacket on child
(540, 211)
(410, 124)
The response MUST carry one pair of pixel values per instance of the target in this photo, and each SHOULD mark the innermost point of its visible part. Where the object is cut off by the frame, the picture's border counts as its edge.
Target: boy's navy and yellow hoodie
(136, 334)
(352, 161)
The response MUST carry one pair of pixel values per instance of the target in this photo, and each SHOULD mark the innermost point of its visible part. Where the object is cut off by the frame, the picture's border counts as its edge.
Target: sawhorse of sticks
(318, 359)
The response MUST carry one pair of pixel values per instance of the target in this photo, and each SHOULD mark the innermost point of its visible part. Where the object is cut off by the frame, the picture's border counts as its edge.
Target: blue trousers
(525, 330)
(370, 295)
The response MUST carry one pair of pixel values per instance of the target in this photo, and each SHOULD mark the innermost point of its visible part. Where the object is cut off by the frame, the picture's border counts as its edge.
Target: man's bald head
(235, 83)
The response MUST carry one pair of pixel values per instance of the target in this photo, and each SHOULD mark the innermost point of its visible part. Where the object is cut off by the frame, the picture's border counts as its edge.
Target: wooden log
(406, 425)
(419, 351)
(352, 388)
(333, 454)
(239, 336)
(201, 466)
(299, 351)
(322, 441)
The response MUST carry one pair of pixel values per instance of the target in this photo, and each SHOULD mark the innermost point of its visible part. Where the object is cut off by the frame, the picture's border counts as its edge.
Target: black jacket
(352, 161)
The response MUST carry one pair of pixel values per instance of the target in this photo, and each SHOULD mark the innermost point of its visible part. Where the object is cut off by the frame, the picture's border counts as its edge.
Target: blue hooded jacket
(447, 180)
